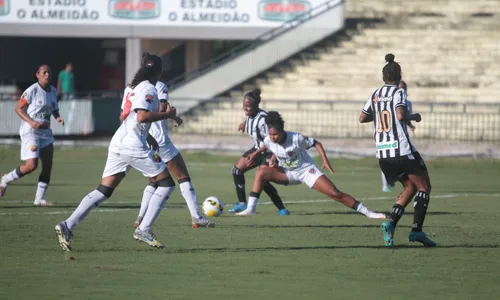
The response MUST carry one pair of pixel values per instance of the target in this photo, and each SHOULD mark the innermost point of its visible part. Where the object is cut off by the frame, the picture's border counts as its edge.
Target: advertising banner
(206, 13)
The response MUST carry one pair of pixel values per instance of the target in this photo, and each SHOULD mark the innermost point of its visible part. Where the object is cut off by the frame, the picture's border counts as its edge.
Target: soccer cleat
(201, 222)
(41, 202)
(284, 212)
(147, 237)
(137, 222)
(374, 215)
(246, 212)
(238, 207)
(418, 236)
(64, 236)
(388, 230)
(3, 186)
(386, 189)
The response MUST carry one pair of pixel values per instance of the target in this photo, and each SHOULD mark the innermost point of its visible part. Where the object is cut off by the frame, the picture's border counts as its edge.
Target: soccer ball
(212, 207)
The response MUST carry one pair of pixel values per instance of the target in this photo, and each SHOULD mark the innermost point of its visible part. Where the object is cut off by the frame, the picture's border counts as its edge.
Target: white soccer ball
(212, 207)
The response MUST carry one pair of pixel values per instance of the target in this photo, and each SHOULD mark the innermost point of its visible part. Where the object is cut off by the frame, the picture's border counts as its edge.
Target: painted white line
(106, 210)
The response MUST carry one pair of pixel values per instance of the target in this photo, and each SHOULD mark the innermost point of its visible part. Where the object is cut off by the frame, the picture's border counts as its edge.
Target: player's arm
(146, 116)
(365, 118)
(241, 127)
(403, 116)
(58, 117)
(319, 147)
(252, 156)
(20, 110)
(367, 112)
(164, 105)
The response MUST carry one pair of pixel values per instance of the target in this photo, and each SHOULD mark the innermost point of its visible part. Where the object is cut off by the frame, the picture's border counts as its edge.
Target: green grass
(322, 251)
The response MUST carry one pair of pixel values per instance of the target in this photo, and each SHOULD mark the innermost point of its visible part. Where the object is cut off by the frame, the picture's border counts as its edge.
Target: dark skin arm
(365, 118)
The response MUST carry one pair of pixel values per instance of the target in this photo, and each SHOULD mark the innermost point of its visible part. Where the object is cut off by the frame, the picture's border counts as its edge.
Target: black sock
(271, 191)
(396, 214)
(239, 183)
(419, 210)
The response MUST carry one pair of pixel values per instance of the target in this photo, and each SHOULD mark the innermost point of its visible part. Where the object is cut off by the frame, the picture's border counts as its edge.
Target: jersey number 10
(383, 121)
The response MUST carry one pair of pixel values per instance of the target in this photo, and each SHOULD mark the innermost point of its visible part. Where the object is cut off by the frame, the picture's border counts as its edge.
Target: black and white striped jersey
(391, 135)
(256, 127)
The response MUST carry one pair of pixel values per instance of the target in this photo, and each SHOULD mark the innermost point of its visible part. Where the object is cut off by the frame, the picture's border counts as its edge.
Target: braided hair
(392, 70)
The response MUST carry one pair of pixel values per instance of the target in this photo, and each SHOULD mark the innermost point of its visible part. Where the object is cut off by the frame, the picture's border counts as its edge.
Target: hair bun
(256, 92)
(144, 58)
(389, 57)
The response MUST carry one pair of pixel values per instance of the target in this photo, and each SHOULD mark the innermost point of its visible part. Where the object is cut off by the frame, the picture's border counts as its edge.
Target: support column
(133, 52)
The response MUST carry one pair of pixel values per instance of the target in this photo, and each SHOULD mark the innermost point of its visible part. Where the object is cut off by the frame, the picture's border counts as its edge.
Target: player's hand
(326, 165)
(418, 118)
(37, 125)
(273, 163)
(178, 121)
(251, 159)
(171, 111)
(241, 128)
(60, 121)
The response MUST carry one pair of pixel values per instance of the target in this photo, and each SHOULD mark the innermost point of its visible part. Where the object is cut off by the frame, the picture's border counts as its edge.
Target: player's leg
(325, 186)
(420, 177)
(238, 171)
(114, 172)
(30, 153)
(398, 209)
(46, 158)
(385, 185)
(178, 168)
(146, 196)
(270, 190)
(264, 174)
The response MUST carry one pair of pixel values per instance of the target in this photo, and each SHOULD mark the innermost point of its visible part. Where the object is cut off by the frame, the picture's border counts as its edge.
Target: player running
(128, 148)
(37, 104)
(296, 166)
(169, 154)
(255, 126)
(398, 158)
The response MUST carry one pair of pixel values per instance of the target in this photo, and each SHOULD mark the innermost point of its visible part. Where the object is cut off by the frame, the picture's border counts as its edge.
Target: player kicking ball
(296, 166)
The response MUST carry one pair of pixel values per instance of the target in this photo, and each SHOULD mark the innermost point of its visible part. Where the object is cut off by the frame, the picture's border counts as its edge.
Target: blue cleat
(388, 230)
(283, 212)
(386, 189)
(416, 236)
(238, 207)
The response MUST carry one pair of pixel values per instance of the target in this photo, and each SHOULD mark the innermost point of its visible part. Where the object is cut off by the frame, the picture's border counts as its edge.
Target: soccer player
(398, 158)
(128, 148)
(296, 166)
(388, 185)
(37, 104)
(169, 154)
(255, 126)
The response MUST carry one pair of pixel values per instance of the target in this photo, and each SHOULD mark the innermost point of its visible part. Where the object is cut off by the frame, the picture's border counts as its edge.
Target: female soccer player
(255, 126)
(171, 157)
(35, 107)
(128, 148)
(296, 166)
(388, 185)
(399, 160)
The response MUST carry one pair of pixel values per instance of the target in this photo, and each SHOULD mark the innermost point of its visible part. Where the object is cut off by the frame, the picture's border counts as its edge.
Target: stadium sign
(136, 10)
(4, 7)
(282, 11)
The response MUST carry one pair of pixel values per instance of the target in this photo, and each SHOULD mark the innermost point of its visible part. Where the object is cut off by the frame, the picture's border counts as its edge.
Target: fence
(464, 122)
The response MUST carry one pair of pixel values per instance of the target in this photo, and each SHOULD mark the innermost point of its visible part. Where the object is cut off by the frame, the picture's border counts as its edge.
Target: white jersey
(256, 128)
(130, 138)
(391, 135)
(292, 154)
(41, 105)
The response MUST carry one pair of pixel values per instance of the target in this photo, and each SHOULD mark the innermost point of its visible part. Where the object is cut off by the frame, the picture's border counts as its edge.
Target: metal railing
(250, 45)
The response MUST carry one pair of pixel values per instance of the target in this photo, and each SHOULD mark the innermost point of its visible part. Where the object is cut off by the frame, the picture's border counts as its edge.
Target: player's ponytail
(254, 96)
(274, 120)
(151, 66)
(392, 70)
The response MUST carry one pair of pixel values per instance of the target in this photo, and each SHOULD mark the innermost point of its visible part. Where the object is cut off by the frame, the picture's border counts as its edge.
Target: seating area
(449, 51)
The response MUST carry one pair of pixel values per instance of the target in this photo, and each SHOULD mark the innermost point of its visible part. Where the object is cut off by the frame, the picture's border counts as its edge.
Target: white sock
(93, 199)
(363, 209)
(10, 177)
(159, 198)
(189, 195)
(384, 180)
(146, 196)
(252, 203)
(41, 190)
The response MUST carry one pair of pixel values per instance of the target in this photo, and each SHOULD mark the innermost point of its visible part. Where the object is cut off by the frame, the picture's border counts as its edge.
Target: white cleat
(373, 215)
(41, 202)
(3, 186)
(246, 212)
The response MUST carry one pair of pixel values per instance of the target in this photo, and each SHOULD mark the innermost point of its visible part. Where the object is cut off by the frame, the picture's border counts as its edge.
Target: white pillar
(132, 58)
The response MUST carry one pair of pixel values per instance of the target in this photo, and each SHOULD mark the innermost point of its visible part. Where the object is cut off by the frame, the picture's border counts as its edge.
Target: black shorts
(398, 168)
(261, 159)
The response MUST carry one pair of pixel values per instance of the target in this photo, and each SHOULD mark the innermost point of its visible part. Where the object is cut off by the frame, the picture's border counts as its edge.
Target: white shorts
(118, 163)
(307, 175)
(31, 145)
(168, 152)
